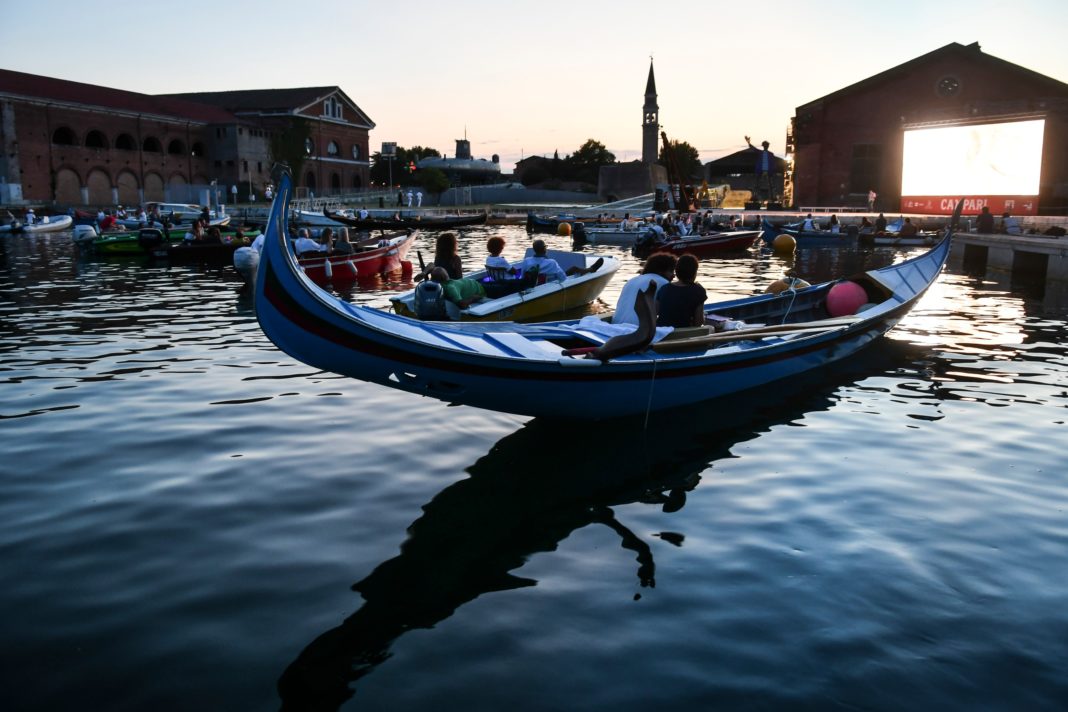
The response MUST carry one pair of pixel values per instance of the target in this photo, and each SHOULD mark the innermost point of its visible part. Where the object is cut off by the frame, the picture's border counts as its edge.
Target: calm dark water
(191, 520)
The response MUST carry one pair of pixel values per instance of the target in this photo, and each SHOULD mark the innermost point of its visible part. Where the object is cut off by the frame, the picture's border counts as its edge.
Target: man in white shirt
(304, 243)
(659, 270)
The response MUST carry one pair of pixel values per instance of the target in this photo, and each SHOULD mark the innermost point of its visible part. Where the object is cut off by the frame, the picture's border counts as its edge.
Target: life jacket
(430, 301)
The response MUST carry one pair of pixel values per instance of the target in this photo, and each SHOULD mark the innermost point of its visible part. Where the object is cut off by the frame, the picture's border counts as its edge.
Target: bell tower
(650, 120)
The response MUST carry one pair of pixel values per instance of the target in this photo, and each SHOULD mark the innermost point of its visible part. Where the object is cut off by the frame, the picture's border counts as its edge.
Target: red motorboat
(371, 257)
(699, 245)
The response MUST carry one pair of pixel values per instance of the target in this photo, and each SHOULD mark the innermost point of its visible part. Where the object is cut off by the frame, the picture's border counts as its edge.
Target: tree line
(582, 166)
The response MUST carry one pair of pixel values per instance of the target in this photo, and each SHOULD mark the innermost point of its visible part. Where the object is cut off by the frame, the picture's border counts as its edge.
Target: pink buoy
(845, 298)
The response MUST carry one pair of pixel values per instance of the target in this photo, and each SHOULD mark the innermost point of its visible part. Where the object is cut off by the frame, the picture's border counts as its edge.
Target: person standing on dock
(764, 165)
(872, 195)
(985, 222)
(419, 199)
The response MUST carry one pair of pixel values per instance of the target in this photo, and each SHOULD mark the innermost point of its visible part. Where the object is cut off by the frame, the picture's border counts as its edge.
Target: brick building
(850, 141)
(78, 144)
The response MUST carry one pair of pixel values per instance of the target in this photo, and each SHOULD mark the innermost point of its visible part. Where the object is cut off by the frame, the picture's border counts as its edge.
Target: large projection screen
(997, 165)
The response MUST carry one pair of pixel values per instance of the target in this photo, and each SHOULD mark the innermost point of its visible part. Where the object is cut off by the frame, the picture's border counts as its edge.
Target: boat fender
(352, 268)
(429, 301)
(845, 298)
(328, 269)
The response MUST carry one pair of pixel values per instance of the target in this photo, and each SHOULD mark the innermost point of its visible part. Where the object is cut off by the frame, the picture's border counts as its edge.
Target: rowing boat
(535, 369)
(371, 258)
(713, 243)
(808, 238)
(538, 301)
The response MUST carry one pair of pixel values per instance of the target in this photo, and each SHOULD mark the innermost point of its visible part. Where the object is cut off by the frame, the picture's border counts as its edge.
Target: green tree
(381, 171)
(433, 180)
(288, 146)
(686, 157)
(585, 163)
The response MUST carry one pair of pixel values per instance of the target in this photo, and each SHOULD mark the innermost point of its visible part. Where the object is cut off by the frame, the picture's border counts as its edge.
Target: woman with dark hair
(682, 303)
(445, 256)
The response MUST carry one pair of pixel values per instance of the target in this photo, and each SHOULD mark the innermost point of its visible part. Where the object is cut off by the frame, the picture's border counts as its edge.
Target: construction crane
(685, 200)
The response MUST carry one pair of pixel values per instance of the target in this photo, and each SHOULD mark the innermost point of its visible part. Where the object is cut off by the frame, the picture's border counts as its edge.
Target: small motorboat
(45, 223)
(371, 257)
(538, 300)
(699, 246)
(809, 238)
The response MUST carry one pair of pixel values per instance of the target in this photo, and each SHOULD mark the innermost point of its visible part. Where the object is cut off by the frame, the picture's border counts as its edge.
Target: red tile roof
(49, 88)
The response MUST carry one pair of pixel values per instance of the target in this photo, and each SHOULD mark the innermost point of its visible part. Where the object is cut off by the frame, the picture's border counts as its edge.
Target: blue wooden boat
(538, 369)
(808, 238)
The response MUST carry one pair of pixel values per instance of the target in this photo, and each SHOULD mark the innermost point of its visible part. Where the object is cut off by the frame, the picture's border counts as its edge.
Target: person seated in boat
(497, 267)
(624, 224)
(195, 232)
(108, 223)
(445, 255)
(659, 270)
(326, 240)
(550, 268)
(342, 245)
(834, 226)
(120, 213)
(880, 223)
(462, 292)
(809, 225)
(31, 217)
(682, 303)
(364, 213)
(865, 225)
(304, 244)
(1010, 225)
(908, 229)
(213, 235)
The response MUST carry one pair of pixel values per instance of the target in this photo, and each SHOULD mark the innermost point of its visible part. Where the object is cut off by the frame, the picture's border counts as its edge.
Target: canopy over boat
(529, 368)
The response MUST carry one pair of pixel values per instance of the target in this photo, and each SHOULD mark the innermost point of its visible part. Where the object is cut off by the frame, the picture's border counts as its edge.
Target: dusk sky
(526, 78)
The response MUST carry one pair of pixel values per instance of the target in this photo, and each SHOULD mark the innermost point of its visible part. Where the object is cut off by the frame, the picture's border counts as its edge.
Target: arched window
(151, 144)
(309, 180)
(356, 151)
(96, 139)
(125, 142)
(309, 146)
(63, 136)
(198, 149)
(176, 147)
(357, 183)
(332, 148)
(335, 182)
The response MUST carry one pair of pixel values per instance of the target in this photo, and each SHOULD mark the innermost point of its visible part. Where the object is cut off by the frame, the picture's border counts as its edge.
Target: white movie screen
(983, 159)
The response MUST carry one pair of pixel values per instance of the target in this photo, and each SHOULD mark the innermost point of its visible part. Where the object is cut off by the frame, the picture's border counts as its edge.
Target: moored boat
(808, 238)
(540, 300)
(415, 222)
(380, 255)
(535, 369)
(713, 243)
(45, 223)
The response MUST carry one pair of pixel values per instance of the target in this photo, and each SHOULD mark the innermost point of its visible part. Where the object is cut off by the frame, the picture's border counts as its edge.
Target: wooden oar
(422, 267)
(759, 332)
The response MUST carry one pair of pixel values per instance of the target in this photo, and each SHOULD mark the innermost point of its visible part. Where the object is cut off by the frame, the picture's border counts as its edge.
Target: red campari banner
(973, 204)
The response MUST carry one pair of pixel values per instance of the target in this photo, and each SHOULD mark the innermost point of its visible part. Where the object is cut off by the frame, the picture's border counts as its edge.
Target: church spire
(650, 120)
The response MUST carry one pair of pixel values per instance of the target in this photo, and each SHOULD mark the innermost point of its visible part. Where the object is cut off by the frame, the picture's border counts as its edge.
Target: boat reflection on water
(474, 533)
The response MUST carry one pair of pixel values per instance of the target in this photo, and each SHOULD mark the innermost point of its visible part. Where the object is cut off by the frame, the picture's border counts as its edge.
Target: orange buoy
(563, 229)
(784, 243)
